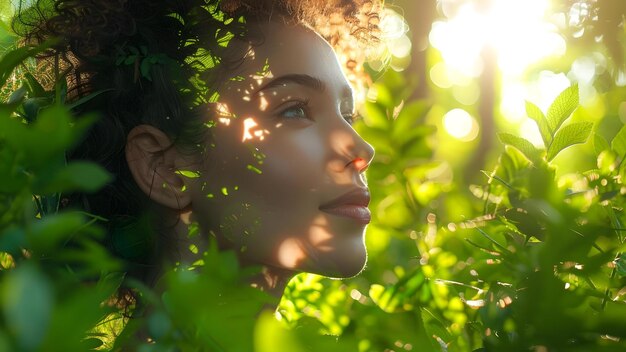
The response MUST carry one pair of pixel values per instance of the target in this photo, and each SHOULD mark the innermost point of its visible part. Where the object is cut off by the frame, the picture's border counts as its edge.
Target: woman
(235, 115)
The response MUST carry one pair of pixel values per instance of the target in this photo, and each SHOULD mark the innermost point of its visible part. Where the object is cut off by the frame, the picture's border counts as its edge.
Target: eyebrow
(300, 79)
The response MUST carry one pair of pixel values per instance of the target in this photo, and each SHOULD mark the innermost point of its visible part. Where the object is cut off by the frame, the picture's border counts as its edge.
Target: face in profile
(281, 180)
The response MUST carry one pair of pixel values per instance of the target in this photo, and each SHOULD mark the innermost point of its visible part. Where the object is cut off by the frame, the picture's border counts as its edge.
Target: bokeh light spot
(460, 125)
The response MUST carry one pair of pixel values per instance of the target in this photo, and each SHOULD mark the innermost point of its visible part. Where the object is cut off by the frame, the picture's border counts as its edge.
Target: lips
(352, 204)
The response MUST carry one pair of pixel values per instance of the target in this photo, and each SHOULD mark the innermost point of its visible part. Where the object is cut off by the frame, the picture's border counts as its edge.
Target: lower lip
(357, 212)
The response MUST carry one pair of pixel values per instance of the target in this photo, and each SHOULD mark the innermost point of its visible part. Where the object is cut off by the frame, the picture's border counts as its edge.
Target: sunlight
(250, 133)
(530, 131)
(248, 125)
(319, 234)
(520, 34)
(290, 253)
(516, 30)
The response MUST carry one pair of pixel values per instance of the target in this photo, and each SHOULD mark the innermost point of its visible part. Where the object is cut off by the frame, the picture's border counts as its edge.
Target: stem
(617, 225)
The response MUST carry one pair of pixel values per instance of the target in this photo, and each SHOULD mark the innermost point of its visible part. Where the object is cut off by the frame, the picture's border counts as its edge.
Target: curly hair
(160, 63)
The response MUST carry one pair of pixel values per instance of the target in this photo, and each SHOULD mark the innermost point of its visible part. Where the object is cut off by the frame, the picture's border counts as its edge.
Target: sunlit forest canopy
(492, 141)
(481, 60)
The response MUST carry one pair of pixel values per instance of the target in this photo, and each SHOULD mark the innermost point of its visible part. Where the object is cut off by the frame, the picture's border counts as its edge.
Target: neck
(271, 280)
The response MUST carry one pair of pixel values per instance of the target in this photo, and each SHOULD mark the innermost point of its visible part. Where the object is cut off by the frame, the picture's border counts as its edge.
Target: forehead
(282, 49)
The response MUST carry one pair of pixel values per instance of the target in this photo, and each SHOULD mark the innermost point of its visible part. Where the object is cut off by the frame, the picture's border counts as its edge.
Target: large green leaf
(574, 133)
(562, 107)
(521, 144)
(537, 115)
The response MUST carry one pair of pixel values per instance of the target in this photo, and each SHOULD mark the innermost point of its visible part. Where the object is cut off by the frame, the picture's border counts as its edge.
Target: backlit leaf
(521, 144)
(562, 107)
(537, 115)
(188, 173)
(574, 133)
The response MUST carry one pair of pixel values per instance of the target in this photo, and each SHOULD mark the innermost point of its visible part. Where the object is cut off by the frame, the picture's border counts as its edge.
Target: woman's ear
(152, 160)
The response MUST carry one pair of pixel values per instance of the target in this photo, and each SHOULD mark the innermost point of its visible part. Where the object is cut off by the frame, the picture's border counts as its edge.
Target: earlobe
(152, 160)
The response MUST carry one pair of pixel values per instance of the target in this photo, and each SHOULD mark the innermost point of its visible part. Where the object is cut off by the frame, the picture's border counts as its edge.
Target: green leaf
(562, 107)
(188, 173)
(600, 144)
(76, 176)
(571, 134)
(12, 240)
(537, 115)
(17, 96)
(27, 301)
(34, 87)
(32, 106)
(374, 116)
(409, 117)
(521, 144)
(618, 144)
(46, 234)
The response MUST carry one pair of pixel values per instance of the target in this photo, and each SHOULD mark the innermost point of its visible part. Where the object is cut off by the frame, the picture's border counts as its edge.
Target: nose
(349, 156)
(363, 153)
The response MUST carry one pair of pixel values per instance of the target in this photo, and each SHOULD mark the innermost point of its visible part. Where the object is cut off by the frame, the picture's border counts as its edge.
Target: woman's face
(282, 178)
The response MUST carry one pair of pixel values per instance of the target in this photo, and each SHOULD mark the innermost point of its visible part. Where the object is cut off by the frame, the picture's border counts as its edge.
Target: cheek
(265, 188)
(294, 164)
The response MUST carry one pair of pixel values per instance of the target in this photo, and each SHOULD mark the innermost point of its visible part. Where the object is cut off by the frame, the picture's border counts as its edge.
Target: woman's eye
(294, 112)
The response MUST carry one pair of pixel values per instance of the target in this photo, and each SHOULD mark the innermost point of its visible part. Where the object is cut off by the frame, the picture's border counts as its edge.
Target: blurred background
(477, 62)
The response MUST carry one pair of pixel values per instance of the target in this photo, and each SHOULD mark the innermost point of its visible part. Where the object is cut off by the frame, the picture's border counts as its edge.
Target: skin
(281, 147)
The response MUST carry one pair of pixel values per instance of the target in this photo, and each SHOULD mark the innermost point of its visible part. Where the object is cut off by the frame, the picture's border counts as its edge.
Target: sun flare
(517, 33)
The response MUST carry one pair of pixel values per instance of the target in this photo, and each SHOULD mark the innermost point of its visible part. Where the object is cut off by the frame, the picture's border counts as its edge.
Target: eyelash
(351, 118)
(304, 106)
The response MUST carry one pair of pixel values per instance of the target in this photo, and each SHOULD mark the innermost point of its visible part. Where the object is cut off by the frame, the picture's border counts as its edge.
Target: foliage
(54, 275)
(536, 263)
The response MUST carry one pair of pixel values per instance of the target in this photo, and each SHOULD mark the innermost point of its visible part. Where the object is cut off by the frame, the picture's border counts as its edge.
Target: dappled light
(319, 234)
(250, 132)
(290, 253)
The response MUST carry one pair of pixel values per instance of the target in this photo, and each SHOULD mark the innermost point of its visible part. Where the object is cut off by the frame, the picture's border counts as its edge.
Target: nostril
(360, 164)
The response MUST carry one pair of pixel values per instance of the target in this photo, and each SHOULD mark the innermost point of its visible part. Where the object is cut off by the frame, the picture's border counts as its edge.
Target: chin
(343, 265)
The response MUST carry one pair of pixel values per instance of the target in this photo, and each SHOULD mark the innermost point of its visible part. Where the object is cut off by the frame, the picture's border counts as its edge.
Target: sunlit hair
(160, 63)
(351, 27)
